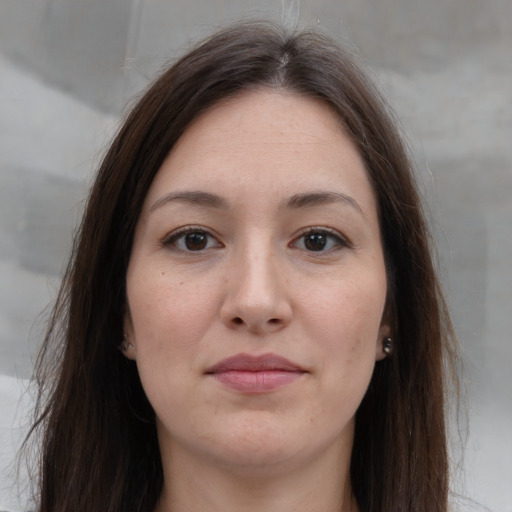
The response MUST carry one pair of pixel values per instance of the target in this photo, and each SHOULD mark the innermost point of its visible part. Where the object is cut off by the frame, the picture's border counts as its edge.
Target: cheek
(169, 316)
(342, 325)
(349, 315)
(345, 320)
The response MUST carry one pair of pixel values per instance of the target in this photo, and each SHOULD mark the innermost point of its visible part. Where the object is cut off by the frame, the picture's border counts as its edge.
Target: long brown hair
(99, 446)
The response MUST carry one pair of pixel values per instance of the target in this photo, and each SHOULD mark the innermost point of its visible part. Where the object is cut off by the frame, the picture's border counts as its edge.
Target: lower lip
(257, 382)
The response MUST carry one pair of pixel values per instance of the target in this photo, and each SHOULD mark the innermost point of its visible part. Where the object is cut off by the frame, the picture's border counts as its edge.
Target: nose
(257, 297)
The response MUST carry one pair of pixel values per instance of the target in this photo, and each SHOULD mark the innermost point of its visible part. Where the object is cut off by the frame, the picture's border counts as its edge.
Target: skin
(275, 265)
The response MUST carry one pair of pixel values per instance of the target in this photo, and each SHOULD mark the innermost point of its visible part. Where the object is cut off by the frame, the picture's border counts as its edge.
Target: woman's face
(256, 286)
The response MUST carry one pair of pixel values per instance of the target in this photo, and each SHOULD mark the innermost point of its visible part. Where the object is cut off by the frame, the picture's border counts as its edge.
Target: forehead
(269, 116)
(265, 139)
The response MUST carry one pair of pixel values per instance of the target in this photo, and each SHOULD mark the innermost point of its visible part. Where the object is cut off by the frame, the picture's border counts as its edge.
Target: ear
(384, 332)
(128, 347)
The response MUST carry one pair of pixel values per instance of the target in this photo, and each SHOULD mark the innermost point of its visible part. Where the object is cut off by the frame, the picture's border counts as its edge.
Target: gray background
(68, 70)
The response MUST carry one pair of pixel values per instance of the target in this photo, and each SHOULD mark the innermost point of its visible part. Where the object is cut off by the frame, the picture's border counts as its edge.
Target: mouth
(256, 374)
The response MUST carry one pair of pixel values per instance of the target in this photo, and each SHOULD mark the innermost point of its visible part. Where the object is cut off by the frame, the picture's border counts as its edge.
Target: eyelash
(172, 239)
(337, 241)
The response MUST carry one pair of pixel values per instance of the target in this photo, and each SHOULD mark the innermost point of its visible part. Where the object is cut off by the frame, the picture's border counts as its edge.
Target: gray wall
(68, 69)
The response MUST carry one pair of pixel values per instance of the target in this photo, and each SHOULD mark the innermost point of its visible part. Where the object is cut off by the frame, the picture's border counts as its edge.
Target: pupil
(195, 241)
(315, 242)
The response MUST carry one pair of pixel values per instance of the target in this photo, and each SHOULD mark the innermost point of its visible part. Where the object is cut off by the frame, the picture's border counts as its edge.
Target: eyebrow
(192, 197)
(297, 201)
(312, 199)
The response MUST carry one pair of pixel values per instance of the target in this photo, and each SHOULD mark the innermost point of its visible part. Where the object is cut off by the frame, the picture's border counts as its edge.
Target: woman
(255, 247)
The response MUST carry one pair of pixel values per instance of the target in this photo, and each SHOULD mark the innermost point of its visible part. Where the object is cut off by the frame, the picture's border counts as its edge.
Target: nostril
(238, 321)
(274, 321)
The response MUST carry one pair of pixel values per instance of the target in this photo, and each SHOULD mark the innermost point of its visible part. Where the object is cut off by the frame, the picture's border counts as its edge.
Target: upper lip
(250, 363)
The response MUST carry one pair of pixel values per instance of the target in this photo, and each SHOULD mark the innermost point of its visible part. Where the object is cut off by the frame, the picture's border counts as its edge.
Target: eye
(320, 240)
(191, 239)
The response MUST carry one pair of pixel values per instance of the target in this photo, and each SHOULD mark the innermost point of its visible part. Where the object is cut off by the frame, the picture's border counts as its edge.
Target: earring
(126, 344)
(387, 346)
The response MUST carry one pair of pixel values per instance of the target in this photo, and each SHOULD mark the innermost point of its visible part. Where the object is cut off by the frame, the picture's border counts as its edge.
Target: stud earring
(387, 346)
(126, 344)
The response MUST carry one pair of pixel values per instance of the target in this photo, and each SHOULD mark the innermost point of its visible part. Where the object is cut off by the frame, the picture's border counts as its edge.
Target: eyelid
(342, 240)
(168, 240)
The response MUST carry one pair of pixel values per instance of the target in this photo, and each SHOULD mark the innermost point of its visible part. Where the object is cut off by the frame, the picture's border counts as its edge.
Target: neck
(322, 485)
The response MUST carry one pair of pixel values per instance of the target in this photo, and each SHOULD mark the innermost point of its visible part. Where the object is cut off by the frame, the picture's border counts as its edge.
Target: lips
(248, 363)
(256, 374)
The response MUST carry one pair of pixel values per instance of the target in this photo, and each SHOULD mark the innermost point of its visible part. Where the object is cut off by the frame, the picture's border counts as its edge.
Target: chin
(263, 459)
(258, 445)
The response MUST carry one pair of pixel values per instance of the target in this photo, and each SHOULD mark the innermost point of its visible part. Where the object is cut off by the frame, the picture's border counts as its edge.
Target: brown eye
(315, 242)
(196, 241)
(191, 240)
(320, 240)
